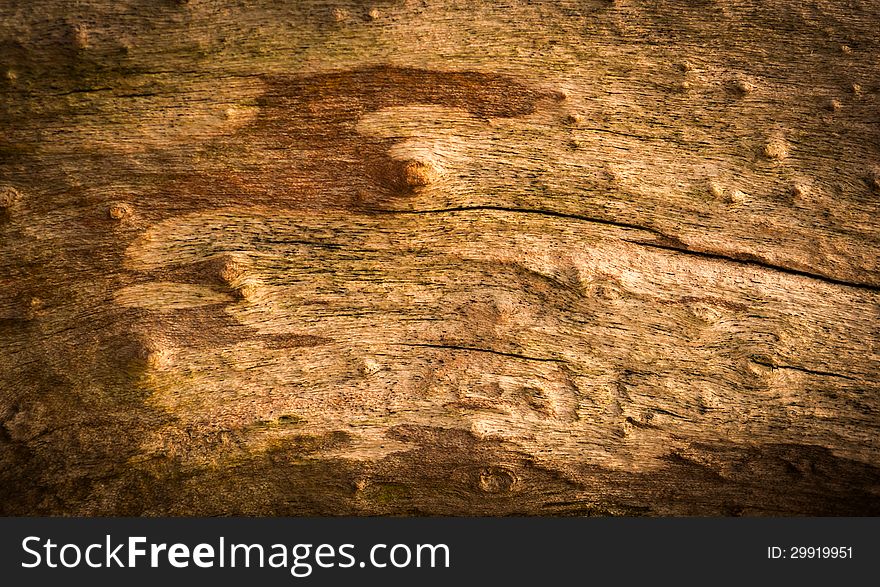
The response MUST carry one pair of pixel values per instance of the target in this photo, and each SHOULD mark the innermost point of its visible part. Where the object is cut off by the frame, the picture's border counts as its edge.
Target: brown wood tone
(422, 257)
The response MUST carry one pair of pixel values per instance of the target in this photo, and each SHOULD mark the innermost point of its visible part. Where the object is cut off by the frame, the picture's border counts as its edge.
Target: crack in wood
(676, 245)
(480, 350)
(539, 212)
(805, 370)
(754, 262)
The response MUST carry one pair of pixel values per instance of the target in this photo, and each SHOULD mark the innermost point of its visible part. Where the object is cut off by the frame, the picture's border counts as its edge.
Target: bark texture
(405, 257)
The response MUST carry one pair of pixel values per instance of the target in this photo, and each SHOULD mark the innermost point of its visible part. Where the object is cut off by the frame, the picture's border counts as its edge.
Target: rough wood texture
(596, 257)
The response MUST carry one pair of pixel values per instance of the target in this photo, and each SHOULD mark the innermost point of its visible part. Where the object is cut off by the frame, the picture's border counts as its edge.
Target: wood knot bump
(158, 358)
(417, 174)
(8, 196)
(735, 197)
(743, 87)
(760, 368)
(574, 119)
(724, 194)
(152, 354)
(800, 191)
(369, 367)
(249, 290)
(119, 211)
(230, 272)
(496, 480)
(775, 149)
(874, 179)
(833, 105)
(80, 37)
(34, 308)
(605, 288)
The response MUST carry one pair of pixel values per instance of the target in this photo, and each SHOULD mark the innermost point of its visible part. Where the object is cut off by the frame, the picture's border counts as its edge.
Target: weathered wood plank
(327, 257)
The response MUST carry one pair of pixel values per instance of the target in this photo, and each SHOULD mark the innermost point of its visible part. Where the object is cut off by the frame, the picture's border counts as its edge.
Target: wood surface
(404, 257)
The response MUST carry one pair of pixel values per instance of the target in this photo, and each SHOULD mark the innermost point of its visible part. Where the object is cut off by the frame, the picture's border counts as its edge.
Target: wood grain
(566, 258)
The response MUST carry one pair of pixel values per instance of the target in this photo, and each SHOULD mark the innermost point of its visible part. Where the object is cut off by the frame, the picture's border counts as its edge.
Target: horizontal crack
(667, 243)
(479, 350)
(549, 213)
(805, 370)
(757, 263)
(317, 244)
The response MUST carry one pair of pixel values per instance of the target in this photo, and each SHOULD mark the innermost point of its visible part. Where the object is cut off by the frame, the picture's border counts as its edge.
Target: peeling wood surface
(440, 258)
